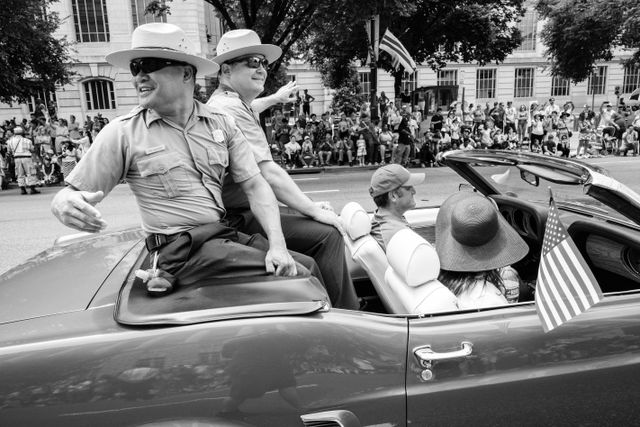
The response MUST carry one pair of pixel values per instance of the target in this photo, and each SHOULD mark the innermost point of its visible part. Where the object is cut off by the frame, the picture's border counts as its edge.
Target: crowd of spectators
(402, 135)
(58, 144)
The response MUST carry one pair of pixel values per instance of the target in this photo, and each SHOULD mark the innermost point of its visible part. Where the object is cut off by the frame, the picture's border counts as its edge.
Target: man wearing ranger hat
(174, 152)
(244, 63)
(21, 149)
(392, 189)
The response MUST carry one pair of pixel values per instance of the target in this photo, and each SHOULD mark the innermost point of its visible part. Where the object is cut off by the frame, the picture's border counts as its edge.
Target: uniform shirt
(384, 225)
(247, 120)
(175, 173)
(20, 146)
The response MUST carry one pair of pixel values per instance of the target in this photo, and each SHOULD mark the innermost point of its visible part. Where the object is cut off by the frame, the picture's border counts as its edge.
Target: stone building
(100, 26)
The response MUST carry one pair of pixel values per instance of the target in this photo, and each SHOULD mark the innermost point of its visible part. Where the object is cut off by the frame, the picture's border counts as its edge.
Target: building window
(559, 86)
(523, 83)
(597, 81)
(527, 28)
(99, 95)
(486, 83)
(47, 97)
(409, 81)
(90, 19)
(631, 79)
(139, 17)
(291, 77)
(447, 78)
(365, 83)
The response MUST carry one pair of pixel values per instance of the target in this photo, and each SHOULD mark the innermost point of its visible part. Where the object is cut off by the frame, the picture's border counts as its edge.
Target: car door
(84, 369)
(498, 367)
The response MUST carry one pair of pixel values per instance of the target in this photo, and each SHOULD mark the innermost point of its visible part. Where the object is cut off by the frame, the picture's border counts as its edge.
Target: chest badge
(218, 135)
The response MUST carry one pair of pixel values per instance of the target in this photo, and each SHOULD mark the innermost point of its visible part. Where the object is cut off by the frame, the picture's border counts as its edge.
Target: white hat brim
(270, 51)
(122, 58)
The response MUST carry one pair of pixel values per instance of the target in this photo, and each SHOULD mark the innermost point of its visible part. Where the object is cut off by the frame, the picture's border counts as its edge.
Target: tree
(31, 57)
(579, 33)
(348, 97)
(331, 33)
(433, 31)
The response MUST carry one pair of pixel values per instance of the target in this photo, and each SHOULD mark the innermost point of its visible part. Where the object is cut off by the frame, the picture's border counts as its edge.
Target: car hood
(592, 179)
(63, 278)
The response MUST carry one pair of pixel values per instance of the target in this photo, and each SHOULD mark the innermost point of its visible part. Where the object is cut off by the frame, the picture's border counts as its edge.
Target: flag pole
(375, 23)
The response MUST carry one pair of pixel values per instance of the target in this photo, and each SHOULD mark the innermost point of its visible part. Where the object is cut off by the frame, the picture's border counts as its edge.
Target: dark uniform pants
(322, 242)
(217, 251)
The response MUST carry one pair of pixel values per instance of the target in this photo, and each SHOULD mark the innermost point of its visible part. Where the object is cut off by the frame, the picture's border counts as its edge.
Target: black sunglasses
(149, 65)
(252, 61)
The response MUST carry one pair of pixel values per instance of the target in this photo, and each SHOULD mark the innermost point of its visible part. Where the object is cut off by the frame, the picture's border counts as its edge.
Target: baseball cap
(388, 178)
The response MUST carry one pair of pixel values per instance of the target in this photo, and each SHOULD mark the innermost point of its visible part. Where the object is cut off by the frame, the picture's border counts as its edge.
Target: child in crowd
(362, 150)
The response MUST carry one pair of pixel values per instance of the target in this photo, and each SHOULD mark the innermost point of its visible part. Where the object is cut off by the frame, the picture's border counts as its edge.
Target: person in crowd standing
(551, 107)
(392, 190)
(307, 99)
(630, 141)
(477, 247)
(510, 118)
(173, 152)
(316, 232)
(402, 150)
(21, 149)
(74, 128)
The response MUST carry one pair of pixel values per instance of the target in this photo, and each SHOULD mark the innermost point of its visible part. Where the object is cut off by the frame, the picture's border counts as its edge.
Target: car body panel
(583, 373)
(46, 283)
(82, 368)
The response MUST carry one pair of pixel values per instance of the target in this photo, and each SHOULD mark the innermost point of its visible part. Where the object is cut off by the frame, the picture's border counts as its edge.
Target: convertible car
(81, 344)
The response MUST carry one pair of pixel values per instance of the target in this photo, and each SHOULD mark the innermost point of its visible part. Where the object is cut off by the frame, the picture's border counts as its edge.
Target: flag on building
(399, 54)
(565, 286)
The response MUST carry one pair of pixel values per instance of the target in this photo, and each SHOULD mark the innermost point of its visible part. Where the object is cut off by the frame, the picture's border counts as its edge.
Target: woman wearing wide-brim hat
(477, 246)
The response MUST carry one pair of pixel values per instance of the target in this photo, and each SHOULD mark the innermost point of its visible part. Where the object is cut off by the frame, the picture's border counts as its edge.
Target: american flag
(565, 287)
(398, 52)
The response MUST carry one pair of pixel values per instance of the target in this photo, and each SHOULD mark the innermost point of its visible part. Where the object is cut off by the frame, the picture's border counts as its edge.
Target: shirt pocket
(165, 175)
(218, 158)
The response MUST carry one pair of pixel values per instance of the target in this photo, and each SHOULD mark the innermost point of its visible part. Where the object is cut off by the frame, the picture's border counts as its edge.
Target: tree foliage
(579, 33)
(30, 56)
(331, 33)
(433, 31)
(348, 97)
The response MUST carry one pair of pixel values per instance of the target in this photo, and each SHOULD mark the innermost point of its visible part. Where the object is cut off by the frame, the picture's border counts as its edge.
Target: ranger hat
(389, 177)
(165, 41)
(237, 43)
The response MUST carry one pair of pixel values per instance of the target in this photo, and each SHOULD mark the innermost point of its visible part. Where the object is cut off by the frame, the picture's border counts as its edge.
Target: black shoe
(23, 190)
(33, 190)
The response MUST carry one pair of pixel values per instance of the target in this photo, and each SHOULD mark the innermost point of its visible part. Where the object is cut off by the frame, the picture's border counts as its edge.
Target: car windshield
(508, 180)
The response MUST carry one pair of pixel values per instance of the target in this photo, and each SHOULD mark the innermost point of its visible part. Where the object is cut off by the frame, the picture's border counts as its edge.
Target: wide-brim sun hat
(472, 236)
(236, 43)
(165, 41)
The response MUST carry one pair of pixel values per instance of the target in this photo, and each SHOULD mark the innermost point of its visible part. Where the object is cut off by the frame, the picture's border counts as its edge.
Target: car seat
(412, 275)
(368, 254)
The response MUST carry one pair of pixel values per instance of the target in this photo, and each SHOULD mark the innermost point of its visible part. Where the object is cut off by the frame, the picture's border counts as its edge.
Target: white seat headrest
(356, 220)
(413, 258)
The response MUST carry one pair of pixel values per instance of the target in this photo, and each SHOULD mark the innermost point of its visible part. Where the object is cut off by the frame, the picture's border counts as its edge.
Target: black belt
(21, 157)
(156, 241)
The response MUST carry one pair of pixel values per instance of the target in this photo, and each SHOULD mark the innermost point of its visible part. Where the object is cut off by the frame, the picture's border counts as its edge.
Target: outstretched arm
(283, 95)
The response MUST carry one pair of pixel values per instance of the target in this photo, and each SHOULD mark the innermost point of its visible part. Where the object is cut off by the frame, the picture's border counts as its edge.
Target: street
(27, 226)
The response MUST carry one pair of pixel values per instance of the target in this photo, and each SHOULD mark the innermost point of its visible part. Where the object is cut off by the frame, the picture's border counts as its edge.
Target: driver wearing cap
(392, 189)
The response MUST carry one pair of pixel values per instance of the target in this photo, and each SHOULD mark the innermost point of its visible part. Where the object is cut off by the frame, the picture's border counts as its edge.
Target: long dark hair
(460, 281)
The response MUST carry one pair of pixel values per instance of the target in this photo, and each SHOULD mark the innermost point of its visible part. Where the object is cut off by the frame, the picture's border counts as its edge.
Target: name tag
(218, 135)
(154, 149)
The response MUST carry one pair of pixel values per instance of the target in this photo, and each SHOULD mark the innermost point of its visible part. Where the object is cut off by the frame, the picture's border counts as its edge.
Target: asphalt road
(27, 226)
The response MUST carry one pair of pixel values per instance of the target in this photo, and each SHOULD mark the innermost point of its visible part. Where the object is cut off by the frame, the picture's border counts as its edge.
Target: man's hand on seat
(280, 262)
(328, 217)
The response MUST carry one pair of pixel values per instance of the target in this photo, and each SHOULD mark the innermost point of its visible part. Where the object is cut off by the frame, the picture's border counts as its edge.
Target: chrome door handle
(426, 355)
